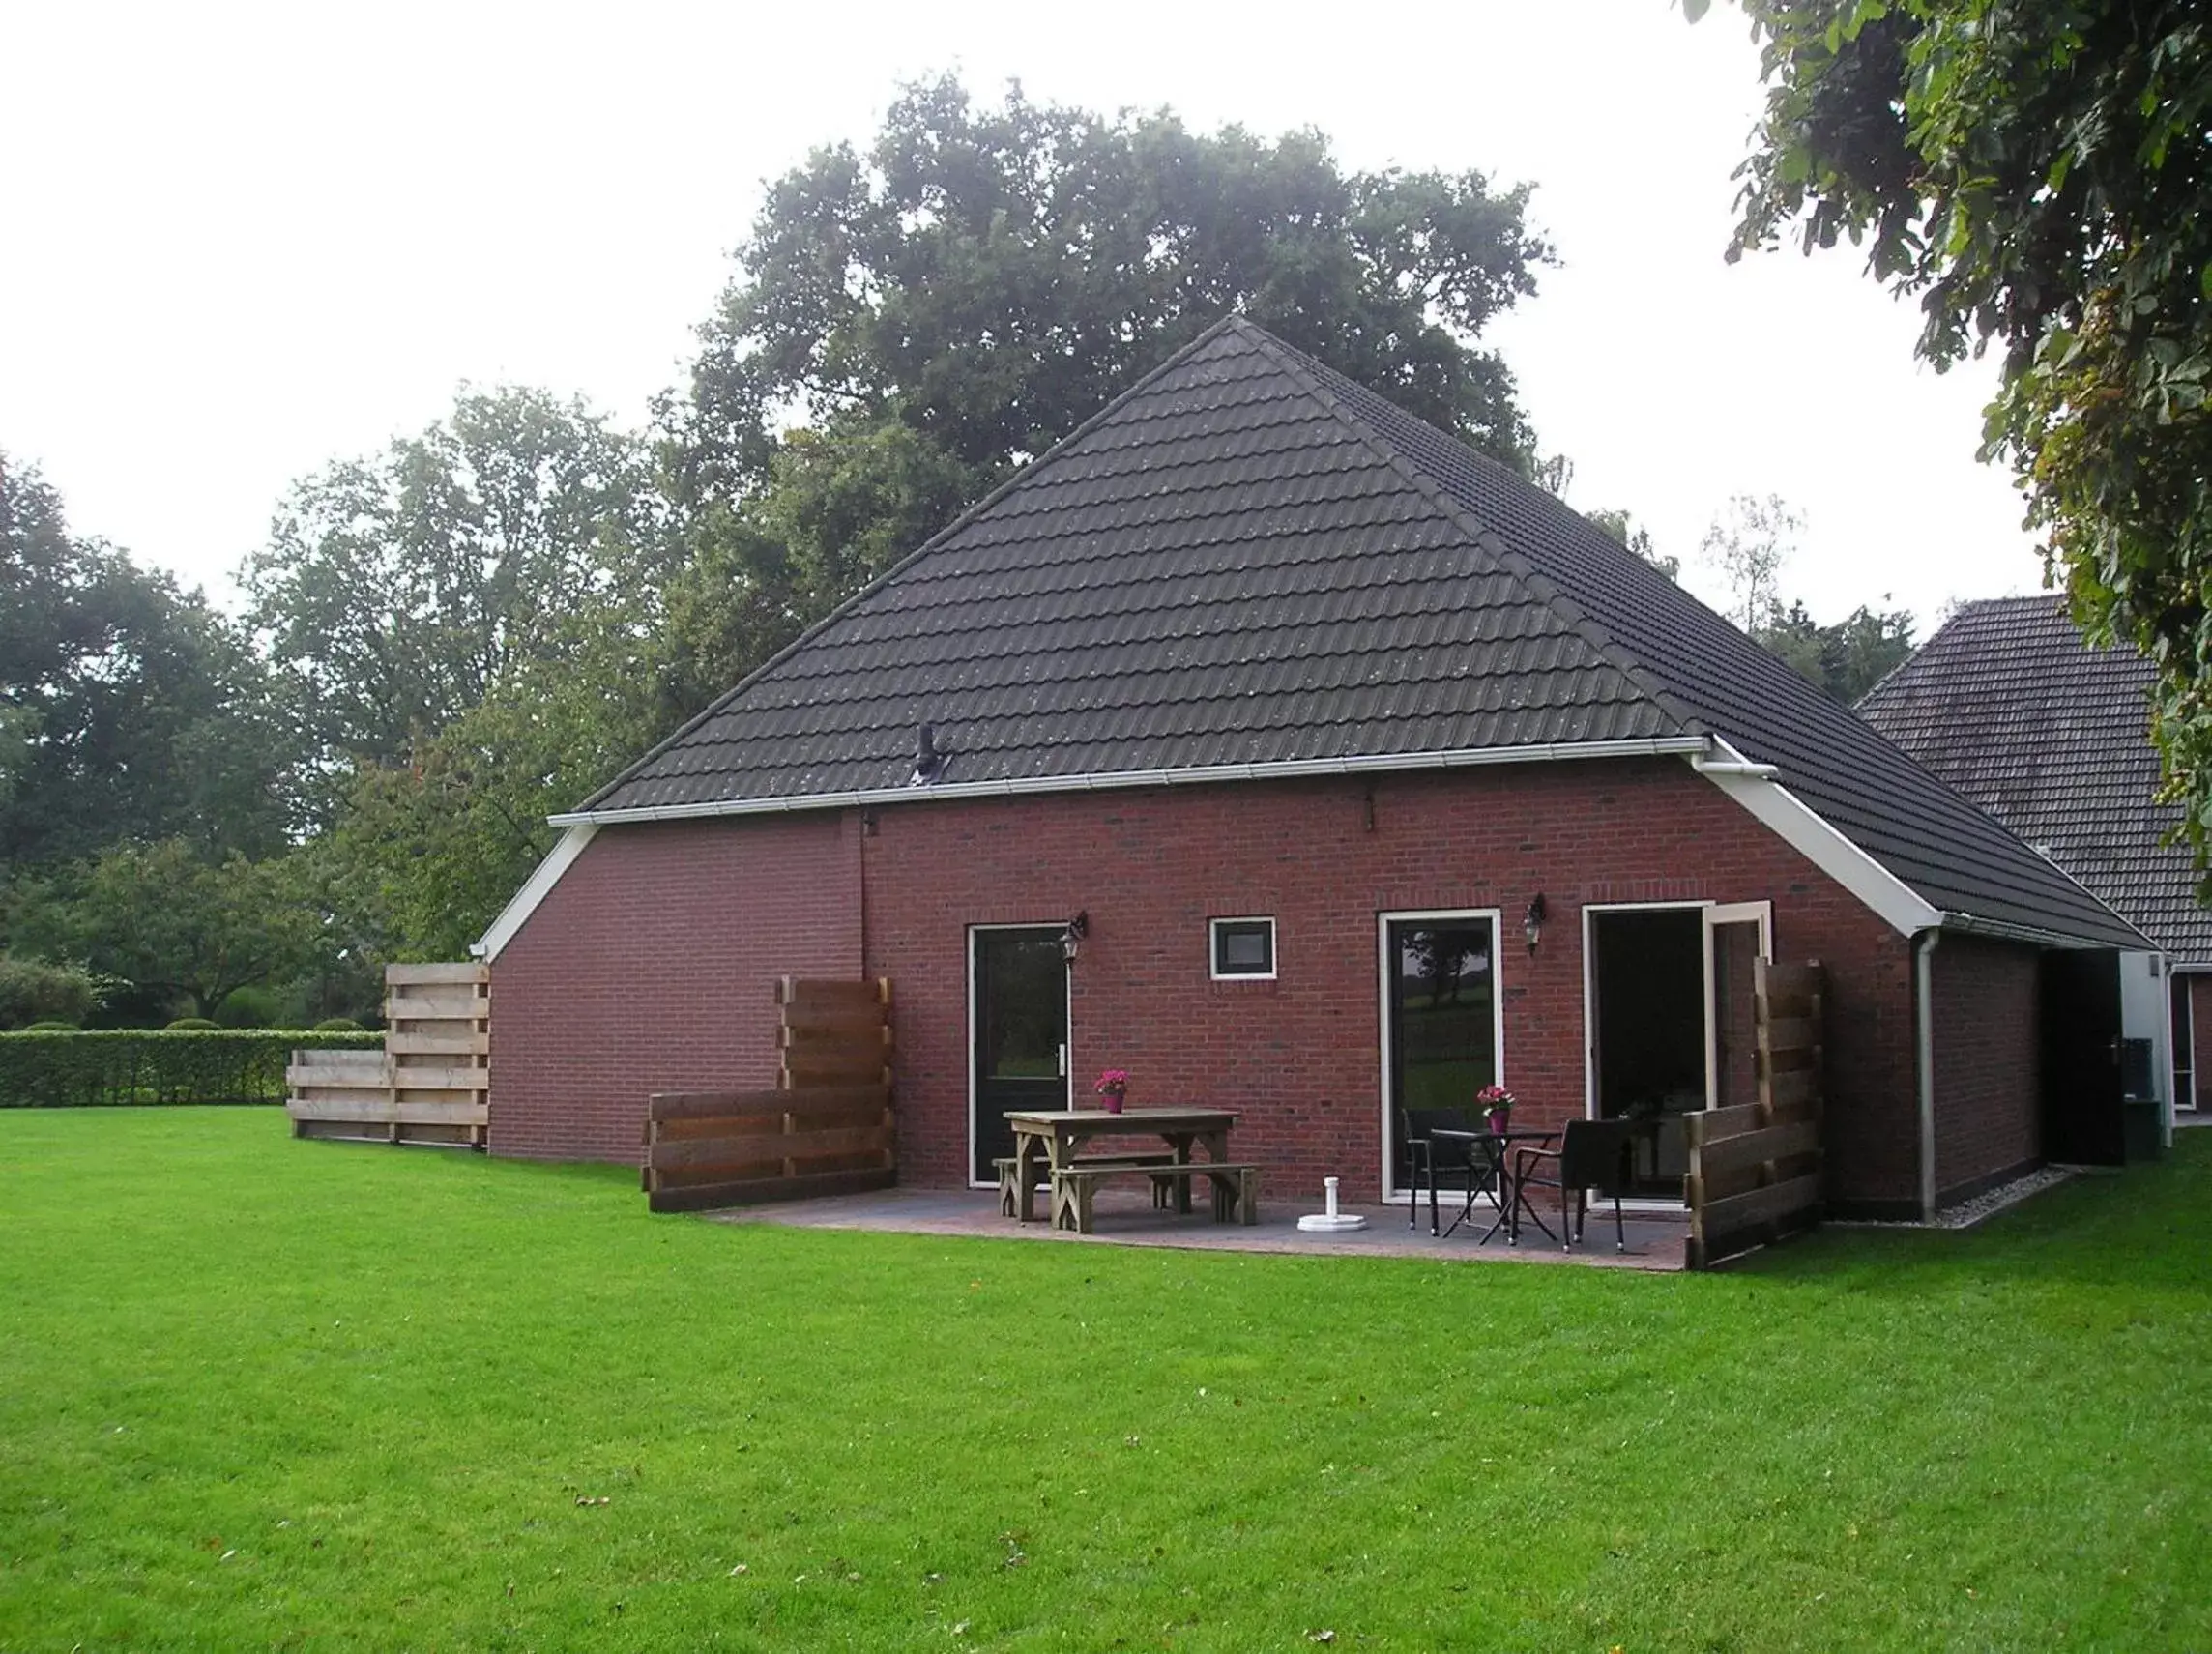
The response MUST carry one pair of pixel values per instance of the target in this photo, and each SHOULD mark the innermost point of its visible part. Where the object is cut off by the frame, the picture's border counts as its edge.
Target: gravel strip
(1964, 1214)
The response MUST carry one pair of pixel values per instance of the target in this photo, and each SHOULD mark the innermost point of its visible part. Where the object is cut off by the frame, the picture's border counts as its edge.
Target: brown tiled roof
(1250, 560)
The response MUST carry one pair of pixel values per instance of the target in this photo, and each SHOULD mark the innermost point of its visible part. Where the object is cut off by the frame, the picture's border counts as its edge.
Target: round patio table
(1506, 1195)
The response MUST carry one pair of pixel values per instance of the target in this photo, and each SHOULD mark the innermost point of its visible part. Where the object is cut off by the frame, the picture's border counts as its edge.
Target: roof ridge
(1921, 662)
(1021, 474)
(2040, 598)
(1546, 589)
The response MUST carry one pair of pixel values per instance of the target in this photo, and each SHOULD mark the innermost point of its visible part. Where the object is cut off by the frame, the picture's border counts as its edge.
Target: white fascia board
(535, 889)
(1811, 835)
(1290, 770)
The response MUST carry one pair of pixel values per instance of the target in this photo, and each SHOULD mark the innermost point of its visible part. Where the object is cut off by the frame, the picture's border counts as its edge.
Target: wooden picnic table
(1050, 1139)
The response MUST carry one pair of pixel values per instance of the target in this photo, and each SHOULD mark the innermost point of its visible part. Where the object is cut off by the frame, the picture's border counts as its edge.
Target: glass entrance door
(1439, 983)
(1018, 1008)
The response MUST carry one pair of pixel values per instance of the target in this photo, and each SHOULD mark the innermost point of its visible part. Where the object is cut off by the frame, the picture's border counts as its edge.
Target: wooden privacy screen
(834, 1033)
(429, 1083)
(1754, 1170)
(828, 1130)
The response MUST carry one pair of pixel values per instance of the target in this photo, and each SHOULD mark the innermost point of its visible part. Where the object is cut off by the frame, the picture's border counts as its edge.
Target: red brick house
(1353, 773)
(2007, 704)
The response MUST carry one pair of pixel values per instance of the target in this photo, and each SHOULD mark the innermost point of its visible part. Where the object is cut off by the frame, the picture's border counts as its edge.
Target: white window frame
(1590, 913)
(1383, 965)
(1711, 913)
(1761, 913)
(1214, 970)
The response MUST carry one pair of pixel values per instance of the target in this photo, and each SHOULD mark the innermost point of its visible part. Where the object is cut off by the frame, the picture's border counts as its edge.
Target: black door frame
(974, 1077)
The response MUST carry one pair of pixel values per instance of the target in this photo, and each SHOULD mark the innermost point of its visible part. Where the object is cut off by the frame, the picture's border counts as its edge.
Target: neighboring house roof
(1248, 564)
(2013, 709)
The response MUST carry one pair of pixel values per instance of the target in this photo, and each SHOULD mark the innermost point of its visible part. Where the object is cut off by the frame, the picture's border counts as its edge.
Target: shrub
(339, 1025)
(139, 1066)
(51, 1028)
(31, 989)
(249, 1007)
(188, 1024)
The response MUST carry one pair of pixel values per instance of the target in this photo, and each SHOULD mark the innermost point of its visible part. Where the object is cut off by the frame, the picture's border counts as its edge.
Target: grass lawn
(257, 1393)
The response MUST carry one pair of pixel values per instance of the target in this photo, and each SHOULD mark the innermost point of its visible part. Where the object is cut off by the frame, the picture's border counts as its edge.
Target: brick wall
(1988, 1065)
(648, 966)
(1300, 1054)
(651, 967)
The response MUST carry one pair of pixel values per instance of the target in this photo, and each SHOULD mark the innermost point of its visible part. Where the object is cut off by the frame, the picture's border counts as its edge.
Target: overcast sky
(242, 242)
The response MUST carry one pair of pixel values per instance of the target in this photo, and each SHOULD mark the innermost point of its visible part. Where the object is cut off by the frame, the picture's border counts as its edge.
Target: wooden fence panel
(1754, 1170)
(834, 1034)
(827, 1128)
(430, 1082)
(812, 991)
(708, 1149)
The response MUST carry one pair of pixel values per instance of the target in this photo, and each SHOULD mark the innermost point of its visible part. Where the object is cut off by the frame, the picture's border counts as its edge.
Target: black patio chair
(1476, 1158)
(1592, 1154)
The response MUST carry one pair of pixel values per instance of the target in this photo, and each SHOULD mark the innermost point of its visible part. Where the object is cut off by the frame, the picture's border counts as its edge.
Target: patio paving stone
(1127, 1218)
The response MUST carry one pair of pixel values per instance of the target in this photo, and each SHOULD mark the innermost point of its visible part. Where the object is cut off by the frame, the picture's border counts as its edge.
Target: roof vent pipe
(928, 762)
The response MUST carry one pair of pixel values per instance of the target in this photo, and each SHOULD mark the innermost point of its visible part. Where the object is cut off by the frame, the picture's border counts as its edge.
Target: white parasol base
(1332, 1221)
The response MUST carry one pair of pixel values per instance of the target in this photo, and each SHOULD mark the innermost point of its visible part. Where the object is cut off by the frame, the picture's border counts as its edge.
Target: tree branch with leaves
(2037, 174)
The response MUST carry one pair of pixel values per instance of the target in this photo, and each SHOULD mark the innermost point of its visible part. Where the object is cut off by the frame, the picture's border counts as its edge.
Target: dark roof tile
(2007, 704)
(1249, 559)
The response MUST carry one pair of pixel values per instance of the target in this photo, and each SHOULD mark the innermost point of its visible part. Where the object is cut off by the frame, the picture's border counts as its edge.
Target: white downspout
(1924, 1054)
(2164, 1049)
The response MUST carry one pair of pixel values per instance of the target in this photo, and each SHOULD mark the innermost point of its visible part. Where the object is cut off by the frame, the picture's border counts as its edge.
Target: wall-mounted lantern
(1071, 938)
(1533, 922)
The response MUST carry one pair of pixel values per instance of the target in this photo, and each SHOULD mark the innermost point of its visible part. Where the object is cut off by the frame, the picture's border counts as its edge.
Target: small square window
(1243, 947)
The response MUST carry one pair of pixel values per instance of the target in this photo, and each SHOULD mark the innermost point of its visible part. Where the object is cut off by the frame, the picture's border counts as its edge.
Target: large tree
(935, 311)
(127, 707)
(395, 593)
(2038, 173)
(475, 629)
(180, 928)
(425, 854)
(1846, 658)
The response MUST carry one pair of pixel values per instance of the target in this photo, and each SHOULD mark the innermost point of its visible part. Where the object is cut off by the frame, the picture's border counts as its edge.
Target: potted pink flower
(1498, 1108)
(1112, 1086)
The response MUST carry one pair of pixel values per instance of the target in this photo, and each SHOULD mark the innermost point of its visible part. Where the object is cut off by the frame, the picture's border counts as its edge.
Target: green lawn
(258, 1393)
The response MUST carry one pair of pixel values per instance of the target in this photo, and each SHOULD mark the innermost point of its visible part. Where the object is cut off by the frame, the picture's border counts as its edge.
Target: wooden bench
(1074, 1188)
(1010, 1189)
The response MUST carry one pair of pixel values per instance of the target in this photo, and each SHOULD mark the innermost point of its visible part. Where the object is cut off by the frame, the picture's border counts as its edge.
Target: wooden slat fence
(726, 1148)
(829, 1128)
(834, 1033)
(1754, 1170)
(431, 1081)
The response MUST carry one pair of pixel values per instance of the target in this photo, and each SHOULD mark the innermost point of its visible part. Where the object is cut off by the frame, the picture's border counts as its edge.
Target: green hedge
(140, 1066)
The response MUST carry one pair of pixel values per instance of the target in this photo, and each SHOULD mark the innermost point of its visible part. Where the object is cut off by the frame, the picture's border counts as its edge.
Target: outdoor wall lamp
(1533, 922)
(1071, 938)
